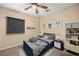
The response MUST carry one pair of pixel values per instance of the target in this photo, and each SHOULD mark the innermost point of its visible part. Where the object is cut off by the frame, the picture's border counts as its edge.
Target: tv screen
(15, 25)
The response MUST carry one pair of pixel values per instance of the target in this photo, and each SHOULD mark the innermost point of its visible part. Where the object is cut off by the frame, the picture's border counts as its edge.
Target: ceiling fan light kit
(36, 7)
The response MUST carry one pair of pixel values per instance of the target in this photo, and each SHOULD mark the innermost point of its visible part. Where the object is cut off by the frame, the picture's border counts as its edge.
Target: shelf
(73, 42)
(73, 33)
(72, 25)
(71, 39)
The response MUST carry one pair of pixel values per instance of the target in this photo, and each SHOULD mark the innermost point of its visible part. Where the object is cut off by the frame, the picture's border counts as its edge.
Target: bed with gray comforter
(38, 46)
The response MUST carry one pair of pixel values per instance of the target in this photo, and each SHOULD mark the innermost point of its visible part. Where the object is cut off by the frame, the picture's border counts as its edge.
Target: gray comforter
(37, 47)
(38, 44)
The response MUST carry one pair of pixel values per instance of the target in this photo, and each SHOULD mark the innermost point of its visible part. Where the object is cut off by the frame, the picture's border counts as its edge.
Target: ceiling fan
(35, 6)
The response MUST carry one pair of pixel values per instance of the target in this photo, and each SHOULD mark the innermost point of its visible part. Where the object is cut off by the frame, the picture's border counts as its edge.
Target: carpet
(50, 52)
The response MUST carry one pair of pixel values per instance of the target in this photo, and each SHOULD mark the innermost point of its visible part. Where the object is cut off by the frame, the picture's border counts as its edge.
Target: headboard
(49, 34)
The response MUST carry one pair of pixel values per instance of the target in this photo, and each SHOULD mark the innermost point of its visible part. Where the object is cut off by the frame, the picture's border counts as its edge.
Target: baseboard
(72, 52)
(11, 46)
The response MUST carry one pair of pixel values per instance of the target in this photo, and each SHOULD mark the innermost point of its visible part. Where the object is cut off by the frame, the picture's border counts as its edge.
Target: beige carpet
(56, 52)
(18, 51)
(9, 52)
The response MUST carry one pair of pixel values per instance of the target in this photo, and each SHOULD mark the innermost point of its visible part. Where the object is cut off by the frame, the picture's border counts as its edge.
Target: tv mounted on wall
(15, 25)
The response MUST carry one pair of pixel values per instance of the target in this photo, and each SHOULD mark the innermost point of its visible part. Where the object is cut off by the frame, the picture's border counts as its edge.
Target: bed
(39, 45)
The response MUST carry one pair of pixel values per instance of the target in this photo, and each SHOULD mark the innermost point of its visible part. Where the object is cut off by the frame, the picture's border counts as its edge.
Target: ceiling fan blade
(42, 6)
(33, 3)
(36, 10)
(27, 8)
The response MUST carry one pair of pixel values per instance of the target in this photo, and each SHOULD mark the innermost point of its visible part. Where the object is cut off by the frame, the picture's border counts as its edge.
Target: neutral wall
(15, 39)
(67, 15)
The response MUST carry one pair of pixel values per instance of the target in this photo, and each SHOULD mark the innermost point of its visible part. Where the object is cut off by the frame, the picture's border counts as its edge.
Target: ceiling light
(34, 6)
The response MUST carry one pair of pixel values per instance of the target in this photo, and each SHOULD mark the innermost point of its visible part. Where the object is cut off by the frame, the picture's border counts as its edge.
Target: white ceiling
(54, 7)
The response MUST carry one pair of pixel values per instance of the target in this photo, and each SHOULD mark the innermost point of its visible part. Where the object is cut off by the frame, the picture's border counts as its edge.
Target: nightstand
(59, 44)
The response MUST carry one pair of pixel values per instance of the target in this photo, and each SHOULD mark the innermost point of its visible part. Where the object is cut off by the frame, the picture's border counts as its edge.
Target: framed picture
(49, 25)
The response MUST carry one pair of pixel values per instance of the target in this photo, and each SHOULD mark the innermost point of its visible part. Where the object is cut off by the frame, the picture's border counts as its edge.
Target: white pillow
(45, 37)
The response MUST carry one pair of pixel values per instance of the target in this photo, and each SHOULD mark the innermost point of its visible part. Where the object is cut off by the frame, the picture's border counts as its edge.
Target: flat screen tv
(15, 25)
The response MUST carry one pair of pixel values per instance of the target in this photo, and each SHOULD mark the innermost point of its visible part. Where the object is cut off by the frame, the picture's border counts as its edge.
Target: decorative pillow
(51, 37)
(33, 39)
(40, 36)
(45, 37)
(45, 34)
